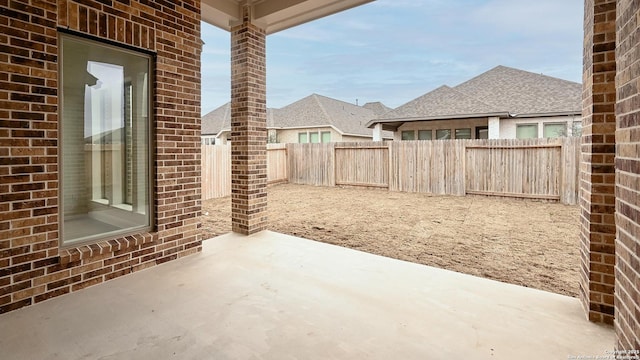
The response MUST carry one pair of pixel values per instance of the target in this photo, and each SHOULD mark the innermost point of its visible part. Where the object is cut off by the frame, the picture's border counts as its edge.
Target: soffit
(273, 15)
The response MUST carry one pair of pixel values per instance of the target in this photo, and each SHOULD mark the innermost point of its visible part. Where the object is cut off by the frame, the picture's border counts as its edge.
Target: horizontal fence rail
(532, 168)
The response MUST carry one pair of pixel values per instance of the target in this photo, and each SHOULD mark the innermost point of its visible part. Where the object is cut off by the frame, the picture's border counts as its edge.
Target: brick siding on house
(248, 127)
(627, 290)
(597, 173)
(33, 268)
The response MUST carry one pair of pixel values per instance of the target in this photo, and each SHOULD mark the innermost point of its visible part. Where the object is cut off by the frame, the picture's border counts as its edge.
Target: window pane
(105, 141)
(528, 131)
(326, 136)
(272, 136)
(463, 133)
(443, 134)
(424, 135)
(302, 138)
(482, 132)
(555, 130)
(408, 135)
(576, 129)
(314, 137)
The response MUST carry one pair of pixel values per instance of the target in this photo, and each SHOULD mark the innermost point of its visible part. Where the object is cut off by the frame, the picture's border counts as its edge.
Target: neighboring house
(502, 103)
(216, 125)
(313, 119)
(317, 118)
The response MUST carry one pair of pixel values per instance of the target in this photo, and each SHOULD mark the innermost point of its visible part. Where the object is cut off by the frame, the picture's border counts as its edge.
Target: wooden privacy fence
(277, 163)
(216, 168)
(216, 171)
(532, 168)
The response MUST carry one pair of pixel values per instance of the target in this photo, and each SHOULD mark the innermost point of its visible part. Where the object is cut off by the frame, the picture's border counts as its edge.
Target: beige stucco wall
(441, 124)
(347, 138)
(508, 126)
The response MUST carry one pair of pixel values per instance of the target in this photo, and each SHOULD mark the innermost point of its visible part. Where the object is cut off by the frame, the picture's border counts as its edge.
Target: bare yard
(523, 242)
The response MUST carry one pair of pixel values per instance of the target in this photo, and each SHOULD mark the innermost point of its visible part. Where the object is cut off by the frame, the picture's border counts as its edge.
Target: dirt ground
(524, 242)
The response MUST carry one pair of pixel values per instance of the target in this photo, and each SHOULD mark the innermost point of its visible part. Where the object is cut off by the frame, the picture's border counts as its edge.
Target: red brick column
(248, 128)
(597, 171)
(627, 294)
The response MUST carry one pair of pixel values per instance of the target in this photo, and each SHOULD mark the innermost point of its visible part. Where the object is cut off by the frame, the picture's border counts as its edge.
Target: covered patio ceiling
(273, 15)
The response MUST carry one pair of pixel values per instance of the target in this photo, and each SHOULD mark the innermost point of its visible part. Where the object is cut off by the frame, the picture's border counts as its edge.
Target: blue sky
(396, 50)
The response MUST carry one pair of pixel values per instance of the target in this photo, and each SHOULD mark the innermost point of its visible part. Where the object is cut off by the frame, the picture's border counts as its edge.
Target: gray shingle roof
(501, 90)
(443, 101)
(217, 120)
(522, 92)
(377, 107)
(317, 110)
(220, 120)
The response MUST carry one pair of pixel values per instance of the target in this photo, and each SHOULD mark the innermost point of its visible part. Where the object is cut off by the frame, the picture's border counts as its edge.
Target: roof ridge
(337, 100)
(509, 68)
(324, 111)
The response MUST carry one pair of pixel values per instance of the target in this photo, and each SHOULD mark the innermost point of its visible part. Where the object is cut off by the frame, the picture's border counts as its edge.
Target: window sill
(88, 251)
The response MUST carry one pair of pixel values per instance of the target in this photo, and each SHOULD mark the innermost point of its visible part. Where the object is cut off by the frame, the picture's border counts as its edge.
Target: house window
(526, 131)
(326, 136)
(555, 130)
(482, 132)
(443, 134)
(272, 136)
(424, 134)
(302, 137)
(463, 133)
(409, 135)
(105, 141)
(576, 128)
(314, 137)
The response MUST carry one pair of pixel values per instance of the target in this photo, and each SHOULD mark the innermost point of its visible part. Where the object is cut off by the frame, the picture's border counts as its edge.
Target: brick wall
(32, 266)
(248, 128)
(627, 290)
(597, 173)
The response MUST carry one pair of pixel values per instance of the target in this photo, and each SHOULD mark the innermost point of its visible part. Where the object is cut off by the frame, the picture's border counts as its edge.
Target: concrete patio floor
(273, 296)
